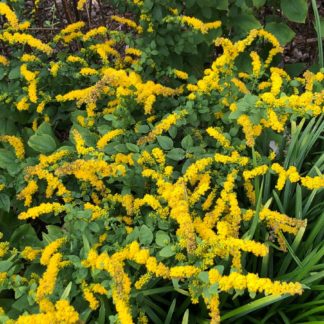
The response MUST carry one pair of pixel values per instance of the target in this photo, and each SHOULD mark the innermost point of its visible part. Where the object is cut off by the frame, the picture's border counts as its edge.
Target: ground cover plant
(156, 195)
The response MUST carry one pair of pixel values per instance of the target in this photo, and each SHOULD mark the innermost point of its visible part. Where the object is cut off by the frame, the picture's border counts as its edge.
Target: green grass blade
(319, 34)
(170, 312)
(253, 306)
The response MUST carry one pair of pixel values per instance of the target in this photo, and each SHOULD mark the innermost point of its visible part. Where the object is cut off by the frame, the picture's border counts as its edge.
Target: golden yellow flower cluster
(16, 143)
(62, 312)
(43, 208)
(21, 38)
(9, 14)
(197, 24)
(130, 23)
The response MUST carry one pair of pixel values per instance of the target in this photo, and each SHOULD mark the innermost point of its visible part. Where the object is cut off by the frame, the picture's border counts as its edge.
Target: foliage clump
(158, 182)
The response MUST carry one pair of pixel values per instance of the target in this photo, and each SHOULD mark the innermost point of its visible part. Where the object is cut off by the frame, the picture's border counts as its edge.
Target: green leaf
(281, 31)
(14, 73)
(253, 306)
(203, 276)
(5, 265)
(167, 252)
(4, 202)
(244, 23)
(66, 291)
(185, 319)
(176, 154)
(3, 73)
(6, 158)
(187, 142)
(162, 238)
(132, 147)
(170, 312)
(258, 3)
(165, 142)
(221, 4)
(145, 235)
(45, 128)
(24, 235)
(294, 10)
(42, 143)
(133, 236)
(157, 12)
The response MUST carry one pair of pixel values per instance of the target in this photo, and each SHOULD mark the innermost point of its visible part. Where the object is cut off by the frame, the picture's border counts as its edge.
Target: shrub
(117, 190)
(172, 33)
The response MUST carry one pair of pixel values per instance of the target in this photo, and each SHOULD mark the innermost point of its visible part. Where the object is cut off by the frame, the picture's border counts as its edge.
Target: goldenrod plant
(123, 196)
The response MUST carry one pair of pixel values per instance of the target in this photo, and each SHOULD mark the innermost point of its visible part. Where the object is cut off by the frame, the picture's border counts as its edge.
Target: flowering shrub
(173, 32)
(115, 187)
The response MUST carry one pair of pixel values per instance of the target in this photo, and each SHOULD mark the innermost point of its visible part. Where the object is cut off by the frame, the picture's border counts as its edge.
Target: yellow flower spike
(50, 249)
(73, 27)
(28, 192)
(88, 71)
(97, 212)
(43, 208)
(98, 289)
(256, 64)
(181, 75)
(278, 221)
(81, 4)
(105, 139)
(76, 59)
(276, 83)
(24, 25)
(149, 200)
(46, 306)
(90, 298)
(148, 105)
(257, 171)
(55, 66)
(26, 58)
(276, 167)
(313, 183)
(47, 282)
(29, 253)
(209, 200)
(234, 158)
(80, 144)
(213, 306)
(240, 85)
(130, 23)
(219, 137)
(195, 168)
(250, 131)
(163, 126)
(202, 187)
(133, 51)
(142, 280)
(46, 160)
(32, 91)
(183, 271)
(199, 25)
(62, 313)
(21, 38)
(158, 154)
(28, 75)
(4, 60)
(4, 248)
(16, 143)
(9, 14)
(101, 30)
